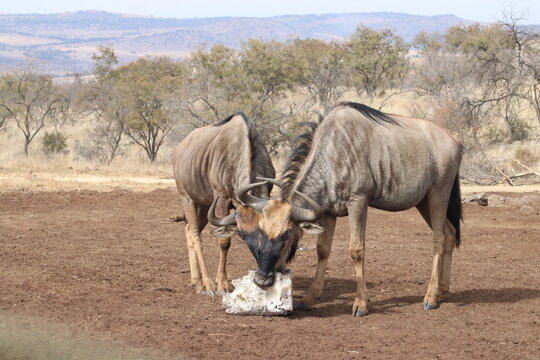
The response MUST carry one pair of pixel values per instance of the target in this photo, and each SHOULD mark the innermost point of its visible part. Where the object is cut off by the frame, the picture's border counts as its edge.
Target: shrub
(54, 143)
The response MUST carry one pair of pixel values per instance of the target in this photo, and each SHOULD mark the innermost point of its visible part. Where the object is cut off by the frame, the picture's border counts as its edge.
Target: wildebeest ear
(224, 231)
(311, 228)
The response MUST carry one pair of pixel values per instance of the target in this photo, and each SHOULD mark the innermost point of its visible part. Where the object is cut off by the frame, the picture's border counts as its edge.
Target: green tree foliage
(427, 42)
(376, 60)
(216, 85)
(323, 70)
(105, 60)
(270, 72)
(254, 79)
(481, 40)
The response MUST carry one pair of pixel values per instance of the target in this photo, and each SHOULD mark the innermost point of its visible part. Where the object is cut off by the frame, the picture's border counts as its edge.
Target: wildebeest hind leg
(436, 204)
(193, 263)
(195, 224)
(222, 210)
(448, 249)
(324, 245)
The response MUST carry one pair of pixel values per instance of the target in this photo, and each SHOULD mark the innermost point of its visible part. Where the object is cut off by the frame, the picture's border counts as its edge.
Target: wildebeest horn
(301, 214)
(227, 220)
(253, 202)
(276, 182)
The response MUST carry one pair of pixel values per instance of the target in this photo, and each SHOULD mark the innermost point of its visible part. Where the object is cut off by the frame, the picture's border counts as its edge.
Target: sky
(479, 10)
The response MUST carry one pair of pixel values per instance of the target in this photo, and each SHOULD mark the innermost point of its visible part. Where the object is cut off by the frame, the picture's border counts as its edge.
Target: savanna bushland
(482, 82)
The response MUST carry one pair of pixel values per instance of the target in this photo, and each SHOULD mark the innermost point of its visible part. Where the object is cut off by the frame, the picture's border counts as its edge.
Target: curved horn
(227, 220)
(252, 201)
(276, 182)
(301, 214)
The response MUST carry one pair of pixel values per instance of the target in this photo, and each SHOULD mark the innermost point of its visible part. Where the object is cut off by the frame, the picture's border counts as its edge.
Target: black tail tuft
(454, 212)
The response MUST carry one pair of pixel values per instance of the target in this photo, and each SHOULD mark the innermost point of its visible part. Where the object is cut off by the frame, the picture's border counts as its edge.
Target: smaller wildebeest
(358, 157)
(211, 163)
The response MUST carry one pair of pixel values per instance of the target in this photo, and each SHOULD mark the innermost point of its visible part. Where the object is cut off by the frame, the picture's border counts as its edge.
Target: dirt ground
(111, 266)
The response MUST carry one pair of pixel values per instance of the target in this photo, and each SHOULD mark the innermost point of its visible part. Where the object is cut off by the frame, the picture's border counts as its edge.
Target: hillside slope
(65, 42)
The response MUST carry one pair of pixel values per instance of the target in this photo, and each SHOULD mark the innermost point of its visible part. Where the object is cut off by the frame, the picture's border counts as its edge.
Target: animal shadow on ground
(492, 296)
(338, 296)
(462, 298)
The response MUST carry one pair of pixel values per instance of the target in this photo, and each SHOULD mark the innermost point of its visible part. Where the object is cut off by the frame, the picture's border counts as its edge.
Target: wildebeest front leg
(358, 217)
(324, 245)
(221, 278)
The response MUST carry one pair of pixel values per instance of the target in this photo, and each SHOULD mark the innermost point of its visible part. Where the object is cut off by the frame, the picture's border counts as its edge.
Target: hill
(64, 42)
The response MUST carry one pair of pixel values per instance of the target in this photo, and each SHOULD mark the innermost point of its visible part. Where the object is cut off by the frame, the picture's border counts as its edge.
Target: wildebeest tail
(454, 212)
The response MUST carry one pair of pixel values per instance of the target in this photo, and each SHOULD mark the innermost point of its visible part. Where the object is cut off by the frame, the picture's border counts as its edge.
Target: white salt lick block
(249, 299)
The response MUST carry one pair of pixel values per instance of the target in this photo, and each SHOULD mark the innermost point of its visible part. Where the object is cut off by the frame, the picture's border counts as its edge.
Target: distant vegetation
(61, 42)
(482, 82)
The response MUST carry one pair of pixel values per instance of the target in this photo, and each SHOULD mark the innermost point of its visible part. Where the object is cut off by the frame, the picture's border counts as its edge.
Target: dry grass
(133, 164)
(71, 171)
(24, 340)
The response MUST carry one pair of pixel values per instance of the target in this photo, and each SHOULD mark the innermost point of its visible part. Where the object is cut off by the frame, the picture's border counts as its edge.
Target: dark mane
(304, 141)
(297, 158)
(378, 116)
(228, 118)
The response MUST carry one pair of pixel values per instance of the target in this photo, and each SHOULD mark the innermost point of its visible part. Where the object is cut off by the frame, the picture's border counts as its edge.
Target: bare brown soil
(110, 265)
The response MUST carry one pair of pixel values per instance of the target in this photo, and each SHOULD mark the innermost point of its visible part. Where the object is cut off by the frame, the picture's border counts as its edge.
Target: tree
(487, 73)
(481, 40)
(102, 101)
(270, 72)
(29, 99)
(254, 80)
(323, 71)
(148, 88)
(525, 60)
(376, 60)
(216, 86)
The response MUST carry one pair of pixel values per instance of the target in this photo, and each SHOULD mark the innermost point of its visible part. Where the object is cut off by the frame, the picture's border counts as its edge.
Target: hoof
(221, 293)
(211, 293)
(358, 313)
(302, 307)
(428, 306)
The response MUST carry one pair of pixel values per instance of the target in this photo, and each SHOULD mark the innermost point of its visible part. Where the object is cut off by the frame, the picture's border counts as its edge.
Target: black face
(268, 253)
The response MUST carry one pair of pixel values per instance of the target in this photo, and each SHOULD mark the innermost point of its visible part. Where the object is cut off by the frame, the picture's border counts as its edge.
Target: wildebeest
(355, 158)
(211, 163)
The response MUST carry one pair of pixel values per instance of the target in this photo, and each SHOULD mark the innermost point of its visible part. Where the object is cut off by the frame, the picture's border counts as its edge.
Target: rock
(480, 198)
(249, 299)
(496, 200)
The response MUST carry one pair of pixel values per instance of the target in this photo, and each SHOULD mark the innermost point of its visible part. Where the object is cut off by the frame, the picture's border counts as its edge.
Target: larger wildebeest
(355, 158)
(211, 163)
